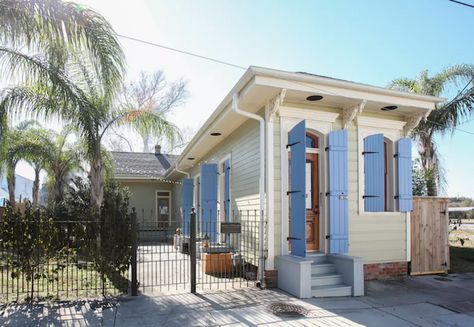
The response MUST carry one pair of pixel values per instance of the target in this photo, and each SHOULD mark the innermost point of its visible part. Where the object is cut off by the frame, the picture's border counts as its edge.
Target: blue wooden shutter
(374, 173)
(198, 203)
(405, 191)
(187, 203)
(338, 191)
(297, 192)
(227, 190)
(209, 200)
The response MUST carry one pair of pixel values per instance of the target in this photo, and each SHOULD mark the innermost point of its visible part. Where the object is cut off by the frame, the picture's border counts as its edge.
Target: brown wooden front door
(312, 202)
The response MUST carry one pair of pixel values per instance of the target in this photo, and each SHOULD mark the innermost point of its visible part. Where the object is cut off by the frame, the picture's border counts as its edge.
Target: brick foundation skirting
(271, 278)
(385, 270)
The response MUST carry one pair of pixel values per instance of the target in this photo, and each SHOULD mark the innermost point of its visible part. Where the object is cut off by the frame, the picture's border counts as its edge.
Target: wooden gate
(429, 235)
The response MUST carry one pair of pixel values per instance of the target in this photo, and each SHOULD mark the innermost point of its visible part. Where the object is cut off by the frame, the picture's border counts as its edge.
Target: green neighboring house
(151, 194)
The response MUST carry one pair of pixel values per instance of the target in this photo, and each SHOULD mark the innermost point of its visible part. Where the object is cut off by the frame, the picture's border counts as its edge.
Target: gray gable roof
(139, 164)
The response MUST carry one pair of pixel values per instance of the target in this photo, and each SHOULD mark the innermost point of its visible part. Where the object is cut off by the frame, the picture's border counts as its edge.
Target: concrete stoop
(320, 275)
(325, 281)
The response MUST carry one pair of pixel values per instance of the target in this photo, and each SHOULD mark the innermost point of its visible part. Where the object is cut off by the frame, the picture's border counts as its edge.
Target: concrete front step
(326, 279)
(317, 257)
(323, 268)
(331, 290)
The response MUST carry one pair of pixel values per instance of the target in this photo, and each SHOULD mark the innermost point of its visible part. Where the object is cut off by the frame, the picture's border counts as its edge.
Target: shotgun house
(322, 166)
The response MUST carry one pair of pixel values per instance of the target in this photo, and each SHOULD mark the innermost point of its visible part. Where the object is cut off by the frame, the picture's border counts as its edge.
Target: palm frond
(36, 69)
(155, 122)
(404, 84)
(455, 75)
(41, 25)
(448, 117)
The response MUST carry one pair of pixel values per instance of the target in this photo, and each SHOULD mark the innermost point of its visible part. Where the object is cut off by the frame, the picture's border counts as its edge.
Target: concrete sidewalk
(420, 301)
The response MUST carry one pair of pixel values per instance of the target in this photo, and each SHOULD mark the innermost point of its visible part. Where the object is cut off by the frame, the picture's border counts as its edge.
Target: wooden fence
(429, 235)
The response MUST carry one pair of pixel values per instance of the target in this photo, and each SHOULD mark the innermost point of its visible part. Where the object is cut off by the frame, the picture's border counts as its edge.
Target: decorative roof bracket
(275, 103)
(350, 113)
(412, 122)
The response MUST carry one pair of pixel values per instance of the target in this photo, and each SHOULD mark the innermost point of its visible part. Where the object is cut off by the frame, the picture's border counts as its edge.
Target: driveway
(419, 301)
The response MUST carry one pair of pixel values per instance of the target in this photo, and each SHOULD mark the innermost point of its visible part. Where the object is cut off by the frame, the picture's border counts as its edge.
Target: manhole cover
(443, 279)
(288, 310)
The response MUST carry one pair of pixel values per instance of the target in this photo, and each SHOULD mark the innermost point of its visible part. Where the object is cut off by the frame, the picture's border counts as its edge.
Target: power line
(462, 3)
(181, 51)
(456, 128)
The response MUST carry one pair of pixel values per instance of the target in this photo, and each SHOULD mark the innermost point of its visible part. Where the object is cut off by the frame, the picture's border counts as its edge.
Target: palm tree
(154, 93)
(22, 143)
(61, 161)
(52, 29)
(36, 136)
(89, 109)
(445, 118)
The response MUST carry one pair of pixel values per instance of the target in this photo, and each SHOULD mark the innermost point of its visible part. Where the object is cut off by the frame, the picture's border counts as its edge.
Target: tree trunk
(36, 185)
(96, 175)
(11, 185)
(429, 163)
(58, 187)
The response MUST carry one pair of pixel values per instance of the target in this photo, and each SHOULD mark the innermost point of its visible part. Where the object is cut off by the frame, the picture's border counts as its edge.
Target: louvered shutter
(297, 192)
(198, 202)
(187, 203)
(405, 191)
(374, 173)
(338, 191)
(209, 200)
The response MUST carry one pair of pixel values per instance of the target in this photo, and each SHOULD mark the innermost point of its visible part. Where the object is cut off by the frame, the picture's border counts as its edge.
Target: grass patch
(461, 250)
(72, 282)
(462, 259)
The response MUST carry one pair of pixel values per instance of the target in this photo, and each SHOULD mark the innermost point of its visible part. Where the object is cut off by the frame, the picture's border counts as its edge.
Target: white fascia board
(327, 81)
(359, 94)
(246, 77)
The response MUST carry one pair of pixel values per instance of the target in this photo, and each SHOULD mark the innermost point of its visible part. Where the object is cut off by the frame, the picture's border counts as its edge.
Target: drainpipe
(180, 171)
(261, 120)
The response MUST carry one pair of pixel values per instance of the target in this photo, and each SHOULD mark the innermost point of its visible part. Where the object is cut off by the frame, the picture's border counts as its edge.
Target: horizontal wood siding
(277, 186)
(243, 147)
(376, 237)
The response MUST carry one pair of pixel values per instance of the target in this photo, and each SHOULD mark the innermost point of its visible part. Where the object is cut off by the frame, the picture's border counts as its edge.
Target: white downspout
(180, 171)
(261, 120)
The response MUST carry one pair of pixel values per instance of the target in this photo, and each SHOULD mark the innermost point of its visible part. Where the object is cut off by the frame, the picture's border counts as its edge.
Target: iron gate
(199, 255)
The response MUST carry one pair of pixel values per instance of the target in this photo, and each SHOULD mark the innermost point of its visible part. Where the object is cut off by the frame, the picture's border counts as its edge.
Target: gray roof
(139, 164)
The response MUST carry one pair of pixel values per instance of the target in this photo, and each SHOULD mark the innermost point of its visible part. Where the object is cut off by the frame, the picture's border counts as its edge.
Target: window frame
(169, 197)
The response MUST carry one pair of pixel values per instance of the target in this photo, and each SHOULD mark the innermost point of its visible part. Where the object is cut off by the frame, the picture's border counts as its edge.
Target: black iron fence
(46, 258)
(202, 251)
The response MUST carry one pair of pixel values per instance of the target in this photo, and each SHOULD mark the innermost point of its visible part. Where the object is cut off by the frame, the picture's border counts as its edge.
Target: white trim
(270, 187)
(170, 204)
(380, 122)
(323, 80)
(308, 114)
(321, 128)
(391, 129)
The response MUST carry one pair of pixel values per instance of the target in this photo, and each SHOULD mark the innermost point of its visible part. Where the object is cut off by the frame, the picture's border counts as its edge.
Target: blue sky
(364, 41)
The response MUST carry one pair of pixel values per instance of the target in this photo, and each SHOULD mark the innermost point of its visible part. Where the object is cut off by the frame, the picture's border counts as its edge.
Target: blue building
(23, 188)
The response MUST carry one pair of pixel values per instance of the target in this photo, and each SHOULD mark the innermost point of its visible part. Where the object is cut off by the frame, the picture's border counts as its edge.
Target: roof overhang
(258, 86)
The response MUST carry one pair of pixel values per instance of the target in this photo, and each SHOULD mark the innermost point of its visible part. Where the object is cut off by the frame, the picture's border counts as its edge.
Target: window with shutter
(209, 200)
(374, 159)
